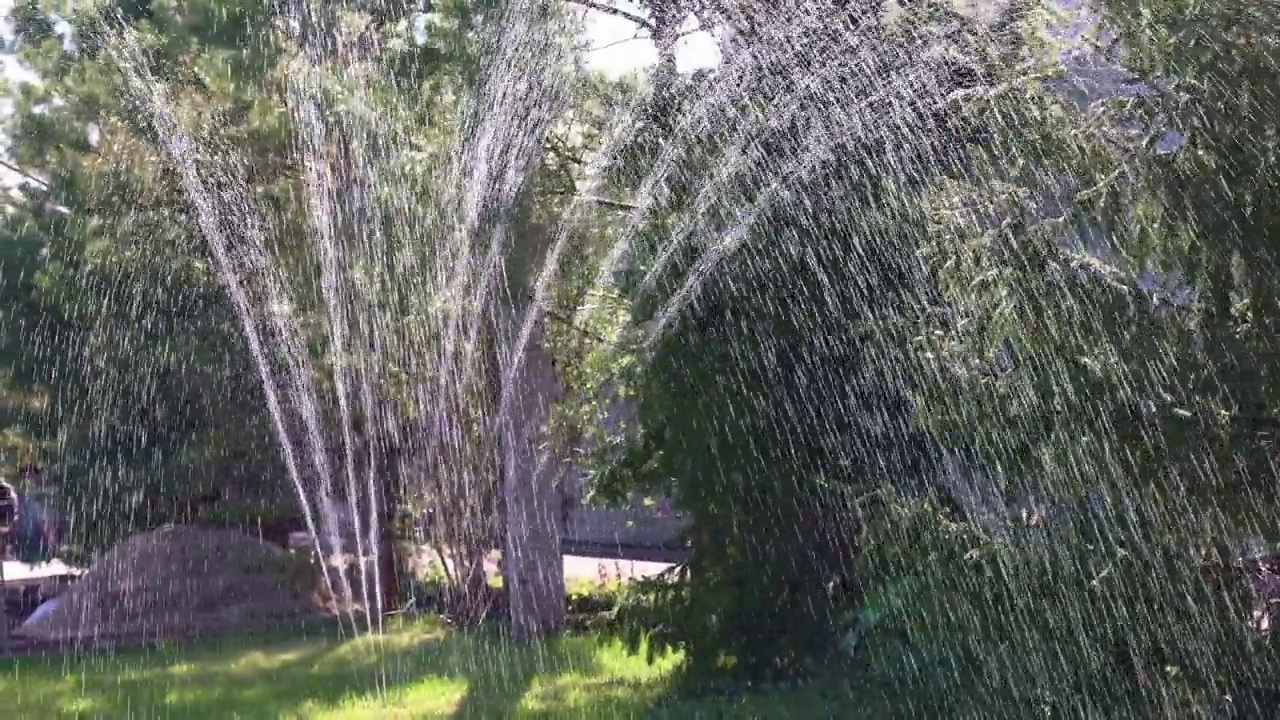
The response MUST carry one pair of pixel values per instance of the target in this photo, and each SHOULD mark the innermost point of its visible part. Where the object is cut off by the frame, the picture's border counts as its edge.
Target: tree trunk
(532, 564)
(455, 470)
(388, 549)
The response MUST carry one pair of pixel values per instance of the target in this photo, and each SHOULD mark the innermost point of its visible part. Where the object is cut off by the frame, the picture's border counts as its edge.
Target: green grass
(416, 670)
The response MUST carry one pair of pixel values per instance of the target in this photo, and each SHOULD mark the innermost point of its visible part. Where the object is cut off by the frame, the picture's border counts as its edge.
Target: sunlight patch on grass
(396, 642)
(429, 697)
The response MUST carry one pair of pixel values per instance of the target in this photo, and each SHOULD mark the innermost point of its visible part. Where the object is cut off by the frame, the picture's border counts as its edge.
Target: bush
(1086, 623)
(753, 607)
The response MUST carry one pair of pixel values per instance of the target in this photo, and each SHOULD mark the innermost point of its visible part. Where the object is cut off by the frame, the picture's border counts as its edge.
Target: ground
(417, 670)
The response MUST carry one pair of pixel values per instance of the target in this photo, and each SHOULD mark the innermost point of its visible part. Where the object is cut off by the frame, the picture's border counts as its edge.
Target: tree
(1135, 398)
(135, 274)
(343, 132)
(769, 273)
(1207, 210)
(1164, 366)
(137, 346)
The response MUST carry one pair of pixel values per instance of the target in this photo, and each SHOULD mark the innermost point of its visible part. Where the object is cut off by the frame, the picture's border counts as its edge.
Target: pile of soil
(180, 583)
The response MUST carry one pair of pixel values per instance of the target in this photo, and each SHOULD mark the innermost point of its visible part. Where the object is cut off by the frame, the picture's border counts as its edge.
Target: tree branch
(606, 202)
(616, 12)
(14, 168)
(601, 201)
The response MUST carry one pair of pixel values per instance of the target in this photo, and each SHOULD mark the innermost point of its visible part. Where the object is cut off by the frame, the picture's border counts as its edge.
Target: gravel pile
(180, 583)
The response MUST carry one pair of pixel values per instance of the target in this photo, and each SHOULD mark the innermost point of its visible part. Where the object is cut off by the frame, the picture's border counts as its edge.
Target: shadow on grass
(498, 691)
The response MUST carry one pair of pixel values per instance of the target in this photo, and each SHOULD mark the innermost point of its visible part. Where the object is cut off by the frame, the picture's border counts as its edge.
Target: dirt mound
(180, 582)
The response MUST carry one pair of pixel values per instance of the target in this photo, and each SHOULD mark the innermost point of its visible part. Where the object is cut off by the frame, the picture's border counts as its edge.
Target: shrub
(1086, 622)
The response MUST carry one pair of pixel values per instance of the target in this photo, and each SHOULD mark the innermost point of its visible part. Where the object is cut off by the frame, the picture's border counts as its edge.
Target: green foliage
(802, 313)
(149, 385)
(1075, 382)
(1081, 620)
(1069, 376)
(767, 302)
(127, 361)
(1210, 208)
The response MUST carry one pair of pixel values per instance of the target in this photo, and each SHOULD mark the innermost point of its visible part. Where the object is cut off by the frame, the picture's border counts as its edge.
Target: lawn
(416, 670)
